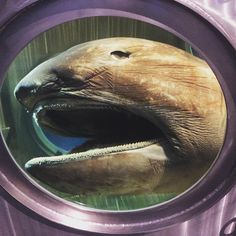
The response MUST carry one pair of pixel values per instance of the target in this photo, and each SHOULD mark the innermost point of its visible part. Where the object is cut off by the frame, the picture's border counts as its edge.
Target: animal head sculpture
(153, 114)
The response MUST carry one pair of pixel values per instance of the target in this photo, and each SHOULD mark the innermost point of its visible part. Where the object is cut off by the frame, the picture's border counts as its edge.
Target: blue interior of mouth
(54, 143)
(66, 143)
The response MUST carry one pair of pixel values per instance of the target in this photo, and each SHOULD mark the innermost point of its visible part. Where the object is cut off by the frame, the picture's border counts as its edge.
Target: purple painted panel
(17, 220)
(9, 8)
(6, 224)
(221, 13)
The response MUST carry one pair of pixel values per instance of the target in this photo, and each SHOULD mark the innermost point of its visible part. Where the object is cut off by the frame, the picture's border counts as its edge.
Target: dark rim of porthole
(173, 17)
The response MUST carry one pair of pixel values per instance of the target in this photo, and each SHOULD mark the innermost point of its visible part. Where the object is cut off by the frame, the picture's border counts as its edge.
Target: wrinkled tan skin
(175, 90)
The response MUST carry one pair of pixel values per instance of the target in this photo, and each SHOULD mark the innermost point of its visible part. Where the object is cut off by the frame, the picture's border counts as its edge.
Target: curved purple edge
(220, 55)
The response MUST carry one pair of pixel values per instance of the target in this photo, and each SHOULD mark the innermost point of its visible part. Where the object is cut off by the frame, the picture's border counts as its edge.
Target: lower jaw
(132, 168)
(94, 153)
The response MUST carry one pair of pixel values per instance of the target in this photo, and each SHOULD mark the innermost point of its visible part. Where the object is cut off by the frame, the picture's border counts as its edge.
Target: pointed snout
(33, 87)
(25, 92)
(21, 93)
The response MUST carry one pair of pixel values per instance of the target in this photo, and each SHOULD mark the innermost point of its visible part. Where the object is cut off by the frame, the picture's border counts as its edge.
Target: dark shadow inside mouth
(103, 126)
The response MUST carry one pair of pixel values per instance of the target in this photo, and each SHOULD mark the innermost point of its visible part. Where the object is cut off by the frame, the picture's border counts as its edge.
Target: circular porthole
(108, 127)
(110, 113)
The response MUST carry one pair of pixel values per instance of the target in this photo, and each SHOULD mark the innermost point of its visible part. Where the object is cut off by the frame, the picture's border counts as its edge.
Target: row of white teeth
(97, 152)
(69, 106)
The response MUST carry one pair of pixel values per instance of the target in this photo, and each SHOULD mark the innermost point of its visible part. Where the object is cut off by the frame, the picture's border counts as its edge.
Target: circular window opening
(112, 113)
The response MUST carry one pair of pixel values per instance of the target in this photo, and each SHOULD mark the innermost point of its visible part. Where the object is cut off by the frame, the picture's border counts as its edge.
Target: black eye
(120, 54)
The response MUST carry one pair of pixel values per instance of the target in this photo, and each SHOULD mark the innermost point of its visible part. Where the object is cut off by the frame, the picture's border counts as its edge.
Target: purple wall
(16, 220)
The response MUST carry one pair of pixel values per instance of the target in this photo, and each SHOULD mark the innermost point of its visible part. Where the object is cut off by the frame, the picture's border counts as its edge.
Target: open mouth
(106, 127)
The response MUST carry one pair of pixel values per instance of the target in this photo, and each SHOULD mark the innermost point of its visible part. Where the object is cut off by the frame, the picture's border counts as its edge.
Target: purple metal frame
(221, 57)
